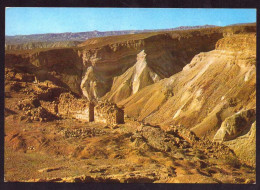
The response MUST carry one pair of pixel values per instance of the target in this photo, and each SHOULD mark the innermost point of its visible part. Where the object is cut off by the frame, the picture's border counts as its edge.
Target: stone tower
(91, 106)
(120, 116)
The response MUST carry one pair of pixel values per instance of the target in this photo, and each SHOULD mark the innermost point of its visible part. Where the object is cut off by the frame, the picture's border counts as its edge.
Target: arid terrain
(156, 107)
(69, 39)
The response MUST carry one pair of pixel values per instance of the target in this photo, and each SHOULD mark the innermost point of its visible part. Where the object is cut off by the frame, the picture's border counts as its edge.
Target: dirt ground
(70, 150)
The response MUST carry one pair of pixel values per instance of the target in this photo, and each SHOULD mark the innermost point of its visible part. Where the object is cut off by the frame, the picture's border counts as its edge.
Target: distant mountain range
(242, 24)
(81, 36)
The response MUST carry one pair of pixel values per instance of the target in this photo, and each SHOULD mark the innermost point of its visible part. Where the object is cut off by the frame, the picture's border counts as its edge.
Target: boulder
(235, 125)
(245, 146)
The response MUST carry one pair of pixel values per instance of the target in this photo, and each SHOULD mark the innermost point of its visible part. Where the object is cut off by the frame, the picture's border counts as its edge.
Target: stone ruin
(82, 109)
(70, 106)
(109, 113)
(15, 75)
(50, 102)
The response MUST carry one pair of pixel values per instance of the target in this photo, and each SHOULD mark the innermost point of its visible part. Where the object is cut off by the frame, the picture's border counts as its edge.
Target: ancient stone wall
(81, 109)
(91, 111)
(109, 113)
(120, 116)
(70, 106)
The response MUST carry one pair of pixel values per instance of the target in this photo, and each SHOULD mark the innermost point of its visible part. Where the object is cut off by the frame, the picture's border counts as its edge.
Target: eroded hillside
(212, 87)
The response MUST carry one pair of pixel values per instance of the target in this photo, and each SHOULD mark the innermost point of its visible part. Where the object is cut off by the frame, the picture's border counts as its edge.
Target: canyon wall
(107, 58)
(91, 68)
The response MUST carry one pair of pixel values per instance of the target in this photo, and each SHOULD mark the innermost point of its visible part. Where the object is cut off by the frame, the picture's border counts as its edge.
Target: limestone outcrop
(214, 86)
(199, 75)
(92, 85)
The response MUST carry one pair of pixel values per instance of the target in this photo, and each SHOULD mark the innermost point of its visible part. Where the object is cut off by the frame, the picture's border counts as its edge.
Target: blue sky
(20, 21)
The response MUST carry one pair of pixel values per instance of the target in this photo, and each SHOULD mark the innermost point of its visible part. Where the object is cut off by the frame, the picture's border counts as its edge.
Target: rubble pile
(13, 75)
(86, 132)
(40, 114)
(50, 93)
(33, 110)
(212, 149)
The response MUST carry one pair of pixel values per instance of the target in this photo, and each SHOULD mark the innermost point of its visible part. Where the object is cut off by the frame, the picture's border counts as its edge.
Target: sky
(25, 20)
